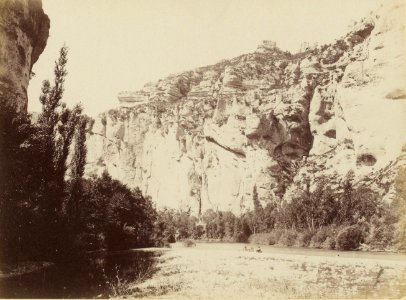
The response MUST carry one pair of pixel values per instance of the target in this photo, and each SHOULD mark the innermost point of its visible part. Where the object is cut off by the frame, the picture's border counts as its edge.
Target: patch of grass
(189, 243)
(200, 274)
(262, 238)
(119, 286)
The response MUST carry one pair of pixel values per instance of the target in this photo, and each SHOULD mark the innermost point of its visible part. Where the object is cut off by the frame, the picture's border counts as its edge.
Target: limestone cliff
(202, 139)
(24, 30)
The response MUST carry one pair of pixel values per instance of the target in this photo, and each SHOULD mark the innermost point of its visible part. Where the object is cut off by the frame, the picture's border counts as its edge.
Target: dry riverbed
(225, 271)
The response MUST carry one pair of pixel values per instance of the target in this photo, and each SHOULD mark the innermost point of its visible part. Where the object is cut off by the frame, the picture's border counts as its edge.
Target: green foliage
(350, 238)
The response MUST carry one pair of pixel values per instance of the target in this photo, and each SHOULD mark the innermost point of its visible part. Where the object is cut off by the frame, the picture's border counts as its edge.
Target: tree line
(339, 217)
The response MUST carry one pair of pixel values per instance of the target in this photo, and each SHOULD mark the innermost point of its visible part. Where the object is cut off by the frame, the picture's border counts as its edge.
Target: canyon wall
(24, 30)
(204, 138)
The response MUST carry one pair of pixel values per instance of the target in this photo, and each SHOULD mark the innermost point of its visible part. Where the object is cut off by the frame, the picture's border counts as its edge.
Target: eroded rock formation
(202, 139)
(24, 30)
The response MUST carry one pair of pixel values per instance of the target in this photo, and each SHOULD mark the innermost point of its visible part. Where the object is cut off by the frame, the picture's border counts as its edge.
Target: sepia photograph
(188, 149)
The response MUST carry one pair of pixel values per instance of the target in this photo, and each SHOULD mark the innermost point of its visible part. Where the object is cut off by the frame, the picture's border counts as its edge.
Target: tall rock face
(24, 30)
(204, 138)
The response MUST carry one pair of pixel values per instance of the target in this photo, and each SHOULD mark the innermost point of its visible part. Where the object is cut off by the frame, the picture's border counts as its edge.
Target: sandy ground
(225, 271)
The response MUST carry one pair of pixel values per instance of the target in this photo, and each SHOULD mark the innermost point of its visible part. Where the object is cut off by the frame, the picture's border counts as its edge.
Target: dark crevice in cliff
(235, 152)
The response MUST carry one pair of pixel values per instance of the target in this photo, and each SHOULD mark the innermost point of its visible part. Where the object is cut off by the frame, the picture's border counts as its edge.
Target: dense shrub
(304, 238)
(322, 238)
(318, 239)
(380, 234)
(329, 243)
(288, 237)
(350, 238)
(266, 238)
(277, 234)
(121, 215)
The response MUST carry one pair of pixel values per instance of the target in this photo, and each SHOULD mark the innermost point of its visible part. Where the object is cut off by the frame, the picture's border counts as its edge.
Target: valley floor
(226, 271)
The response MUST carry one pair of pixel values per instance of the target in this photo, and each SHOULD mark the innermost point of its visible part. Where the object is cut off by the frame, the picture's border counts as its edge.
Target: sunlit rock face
(24, 30)
(202, 139)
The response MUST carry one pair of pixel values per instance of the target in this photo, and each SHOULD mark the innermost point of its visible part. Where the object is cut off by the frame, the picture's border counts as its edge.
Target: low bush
(350, 238)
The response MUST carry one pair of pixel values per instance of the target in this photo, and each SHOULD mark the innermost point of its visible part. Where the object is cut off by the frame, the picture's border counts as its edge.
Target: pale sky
(117, 45)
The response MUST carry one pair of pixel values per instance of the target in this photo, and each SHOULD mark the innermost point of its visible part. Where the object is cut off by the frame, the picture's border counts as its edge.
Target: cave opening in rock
(366, 160)
(330, 133)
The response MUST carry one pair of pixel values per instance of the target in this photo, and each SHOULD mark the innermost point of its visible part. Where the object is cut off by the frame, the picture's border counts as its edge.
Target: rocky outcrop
(24, 30)
(202, 139)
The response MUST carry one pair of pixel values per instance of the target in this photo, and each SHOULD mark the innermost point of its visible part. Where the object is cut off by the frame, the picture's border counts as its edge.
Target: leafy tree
(270, 212)
(220, 226)
(209, 218)
(346, 200)
(56, 126)
(328, 206)
(229, 220)
(165, 227)
(198, 232)
(117, 216)
(38, 154)
(77, 168)
(366, 203)
(183, 226)
(241, 230)
(257, 221)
